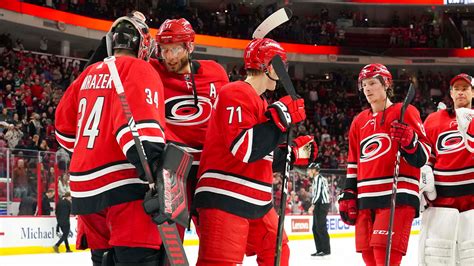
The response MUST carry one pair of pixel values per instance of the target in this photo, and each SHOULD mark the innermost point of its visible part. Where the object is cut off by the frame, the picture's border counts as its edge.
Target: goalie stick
(393, 199)
(284, 78)
(279, 17)
(168, 232)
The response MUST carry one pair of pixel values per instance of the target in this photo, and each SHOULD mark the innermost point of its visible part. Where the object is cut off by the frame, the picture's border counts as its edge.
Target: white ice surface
(342, 249)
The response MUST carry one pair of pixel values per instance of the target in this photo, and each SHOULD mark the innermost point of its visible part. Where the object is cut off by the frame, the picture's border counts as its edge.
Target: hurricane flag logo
(374, 146)
(181, 110)
(449, 142)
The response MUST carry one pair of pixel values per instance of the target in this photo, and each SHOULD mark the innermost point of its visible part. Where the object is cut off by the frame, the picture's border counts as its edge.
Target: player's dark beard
(181, 66)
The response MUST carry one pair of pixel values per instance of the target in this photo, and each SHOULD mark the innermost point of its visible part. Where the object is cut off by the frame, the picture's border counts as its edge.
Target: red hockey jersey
(453, 164)
(91, 124)
(227, 180)
(470, 137)
(186, 124)
(372, 156)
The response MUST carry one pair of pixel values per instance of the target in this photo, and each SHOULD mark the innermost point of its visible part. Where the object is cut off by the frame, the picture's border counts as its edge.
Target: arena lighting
(204, 40)
(403, 2)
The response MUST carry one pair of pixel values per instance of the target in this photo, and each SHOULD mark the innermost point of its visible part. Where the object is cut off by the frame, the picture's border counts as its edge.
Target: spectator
(20, 180)
(13, 135)
(34, 126)
(43, 146)
(43, 44)
(63, 184)
(45, 202)
(27, 206)
(19, 44)
(34, 144)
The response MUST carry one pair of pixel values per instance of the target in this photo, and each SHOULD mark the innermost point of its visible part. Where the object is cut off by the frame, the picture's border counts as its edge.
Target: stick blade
(271, 22)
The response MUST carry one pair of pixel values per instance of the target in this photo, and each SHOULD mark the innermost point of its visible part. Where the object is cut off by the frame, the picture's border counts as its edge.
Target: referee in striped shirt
(320, 201)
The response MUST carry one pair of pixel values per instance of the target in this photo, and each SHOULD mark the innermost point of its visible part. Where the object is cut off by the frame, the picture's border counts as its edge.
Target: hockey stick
(280, 70)
(393, 199)
(168, 232)
(279, 17)
(283, 76)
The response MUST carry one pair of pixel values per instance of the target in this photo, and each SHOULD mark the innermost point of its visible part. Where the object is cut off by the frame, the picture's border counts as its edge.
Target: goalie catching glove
(286, 111)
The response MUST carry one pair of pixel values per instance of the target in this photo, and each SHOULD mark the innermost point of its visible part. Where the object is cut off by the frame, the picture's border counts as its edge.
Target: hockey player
(191, 88)
(234, 192)
(446, 233)
(374, 138)
(107, 179)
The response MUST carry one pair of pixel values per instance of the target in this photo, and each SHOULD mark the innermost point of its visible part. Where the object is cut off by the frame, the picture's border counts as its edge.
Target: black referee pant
(320, 230)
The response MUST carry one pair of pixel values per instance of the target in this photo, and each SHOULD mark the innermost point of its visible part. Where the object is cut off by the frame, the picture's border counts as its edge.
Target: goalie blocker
(168, 201)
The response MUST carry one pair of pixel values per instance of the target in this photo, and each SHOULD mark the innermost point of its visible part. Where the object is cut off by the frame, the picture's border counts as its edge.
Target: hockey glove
(286, 111)
(405, 135)
(153, 204)
(464, 118)
(304, 150)
(348, 207)
(427, 184)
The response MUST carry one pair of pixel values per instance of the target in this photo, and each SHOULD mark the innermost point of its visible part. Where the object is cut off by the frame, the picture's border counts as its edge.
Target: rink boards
(32, 234)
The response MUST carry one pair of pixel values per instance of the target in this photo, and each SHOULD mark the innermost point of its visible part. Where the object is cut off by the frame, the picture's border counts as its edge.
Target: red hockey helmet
(131, 33)
(462, 76)
(175, 30)
(375, 71)
(259, 53)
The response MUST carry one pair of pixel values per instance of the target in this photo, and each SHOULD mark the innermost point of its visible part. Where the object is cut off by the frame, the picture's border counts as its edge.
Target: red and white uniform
(452, 163)
(372, 156)
(90, 123)
(371, 163)
(470, 136)
(187, 125)
(234, 189)
(227, 180)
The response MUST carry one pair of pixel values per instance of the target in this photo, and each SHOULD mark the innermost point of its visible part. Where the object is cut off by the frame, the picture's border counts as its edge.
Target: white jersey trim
(351, 175)
(387, 192)
(249, 146)
(238, 144)
(129, 144)
(237, 180)
(64, 138)
(68, 149)
(139, 126)
(102, 172)
(451, 173)
(90, 193)
(386, 181)
(233, 195)
(456, 183)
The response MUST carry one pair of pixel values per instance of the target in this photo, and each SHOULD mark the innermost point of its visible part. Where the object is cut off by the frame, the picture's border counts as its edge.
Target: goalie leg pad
(439, 230)
(466, 238)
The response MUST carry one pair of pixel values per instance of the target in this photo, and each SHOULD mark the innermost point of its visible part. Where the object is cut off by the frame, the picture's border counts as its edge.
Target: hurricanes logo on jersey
(180, 110)
(374, 146)
(449, 142)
